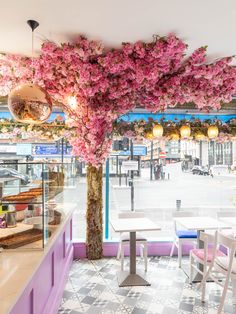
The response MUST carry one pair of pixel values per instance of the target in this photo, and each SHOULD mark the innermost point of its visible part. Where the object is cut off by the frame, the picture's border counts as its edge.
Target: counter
(32, 281)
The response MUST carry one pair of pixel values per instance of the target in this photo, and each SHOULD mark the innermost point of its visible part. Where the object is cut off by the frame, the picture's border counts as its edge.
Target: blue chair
(183, 236)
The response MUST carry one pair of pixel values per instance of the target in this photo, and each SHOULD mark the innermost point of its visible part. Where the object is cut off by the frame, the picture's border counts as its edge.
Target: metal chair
(222, 265)
(125, 238)
(182, 236)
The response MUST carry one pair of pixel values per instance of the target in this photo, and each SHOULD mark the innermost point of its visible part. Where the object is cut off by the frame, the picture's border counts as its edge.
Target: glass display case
(31, 199)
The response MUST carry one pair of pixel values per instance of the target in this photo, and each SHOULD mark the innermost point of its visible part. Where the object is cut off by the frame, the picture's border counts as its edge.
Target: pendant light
(149, 136)
(212, 131)
(30, 103)
(157, 130)
(185, 131)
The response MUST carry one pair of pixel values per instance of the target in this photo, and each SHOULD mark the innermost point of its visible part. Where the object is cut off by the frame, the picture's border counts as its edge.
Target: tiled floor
(92, 288)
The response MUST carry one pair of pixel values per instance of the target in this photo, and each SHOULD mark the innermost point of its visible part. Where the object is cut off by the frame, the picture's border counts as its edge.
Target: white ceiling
(197, 22)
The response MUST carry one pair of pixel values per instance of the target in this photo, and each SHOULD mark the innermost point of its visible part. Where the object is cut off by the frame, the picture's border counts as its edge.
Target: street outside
(203, 195)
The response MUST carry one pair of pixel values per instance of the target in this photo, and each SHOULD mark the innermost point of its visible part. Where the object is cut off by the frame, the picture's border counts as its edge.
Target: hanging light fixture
(30, 103)
(157, 130)
(174, 136)
(199, 136)
(185, 131)
(72, 101)
(149, 135)
(212, 131)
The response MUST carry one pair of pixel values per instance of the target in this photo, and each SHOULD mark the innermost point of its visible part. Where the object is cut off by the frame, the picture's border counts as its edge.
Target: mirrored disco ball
(30, 103)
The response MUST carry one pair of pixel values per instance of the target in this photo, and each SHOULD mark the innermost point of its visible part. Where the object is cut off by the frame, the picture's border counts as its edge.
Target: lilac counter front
(33, 282)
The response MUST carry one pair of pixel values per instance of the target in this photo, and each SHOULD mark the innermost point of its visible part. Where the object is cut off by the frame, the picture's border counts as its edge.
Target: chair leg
(203, 283)
(222, 301)
(234, 291)
(145, 255)
(122, 256)
(179, 253)
(141, 248)
(119, 251)
(191, 268)
(172, 249)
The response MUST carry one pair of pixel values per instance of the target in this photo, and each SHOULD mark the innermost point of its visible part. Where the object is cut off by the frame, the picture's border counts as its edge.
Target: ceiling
(197, 22)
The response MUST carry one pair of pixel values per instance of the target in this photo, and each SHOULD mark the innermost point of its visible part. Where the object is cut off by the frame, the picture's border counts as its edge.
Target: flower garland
(18, 132)
(141, 129)
(137, 130)
(109, 83)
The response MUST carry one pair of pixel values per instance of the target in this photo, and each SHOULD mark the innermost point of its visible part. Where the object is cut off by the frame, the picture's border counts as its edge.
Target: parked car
(203, 171)
(12, 173)
(196, 170)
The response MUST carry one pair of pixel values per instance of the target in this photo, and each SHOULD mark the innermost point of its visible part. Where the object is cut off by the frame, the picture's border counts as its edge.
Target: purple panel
(110, 249)
(32, 301)
(71, 230)
(53, 270)
(64, 245)
(44, 292)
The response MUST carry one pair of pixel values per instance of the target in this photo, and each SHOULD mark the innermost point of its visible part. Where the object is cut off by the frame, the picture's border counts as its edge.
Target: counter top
(18, 267)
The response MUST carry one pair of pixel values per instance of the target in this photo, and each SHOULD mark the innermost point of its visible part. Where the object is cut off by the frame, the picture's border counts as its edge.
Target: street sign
(130, 165)
(139, 150)
(23, 149)
(49, 149)
(162, 155)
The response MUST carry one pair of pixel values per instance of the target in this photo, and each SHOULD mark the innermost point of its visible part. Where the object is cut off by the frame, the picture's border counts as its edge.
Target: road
(203, 195)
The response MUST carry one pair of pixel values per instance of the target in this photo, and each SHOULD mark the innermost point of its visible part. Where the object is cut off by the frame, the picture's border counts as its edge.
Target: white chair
(182, 236)
(125, 238)
(202, 256)
(222, 266)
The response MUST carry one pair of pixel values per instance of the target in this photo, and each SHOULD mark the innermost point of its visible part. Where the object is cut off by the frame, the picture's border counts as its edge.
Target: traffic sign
(162, 155)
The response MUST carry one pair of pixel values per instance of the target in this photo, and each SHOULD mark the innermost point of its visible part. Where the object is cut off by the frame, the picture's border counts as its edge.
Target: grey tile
(186, 307)
(122, 291)
(83, 291)
(136, 310)
(88, 300)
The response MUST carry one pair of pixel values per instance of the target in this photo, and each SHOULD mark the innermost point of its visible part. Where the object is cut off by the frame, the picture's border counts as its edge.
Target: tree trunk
(94, 237)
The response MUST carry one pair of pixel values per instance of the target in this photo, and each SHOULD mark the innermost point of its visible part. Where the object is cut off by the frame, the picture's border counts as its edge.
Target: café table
(132, 225)
(200, 224)
(231, 221)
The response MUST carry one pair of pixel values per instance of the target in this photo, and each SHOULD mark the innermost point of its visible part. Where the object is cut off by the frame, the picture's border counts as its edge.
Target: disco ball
(30, 103)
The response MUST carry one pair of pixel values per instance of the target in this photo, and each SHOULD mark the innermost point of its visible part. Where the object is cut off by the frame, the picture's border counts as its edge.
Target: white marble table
(231, 221)
(200, 224)
(132, 225)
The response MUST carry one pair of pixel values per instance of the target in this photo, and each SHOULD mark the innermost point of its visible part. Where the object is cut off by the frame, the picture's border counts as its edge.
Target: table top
(229, 220)
(133, 225)
(201, 223)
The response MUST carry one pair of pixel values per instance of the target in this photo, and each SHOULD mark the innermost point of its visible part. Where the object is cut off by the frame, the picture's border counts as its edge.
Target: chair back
(131, 215)
(228, 243)
(177, 214)
(207, 239)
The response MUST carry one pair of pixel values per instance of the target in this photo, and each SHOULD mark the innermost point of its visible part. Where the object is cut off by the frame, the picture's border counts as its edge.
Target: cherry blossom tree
(109, 83)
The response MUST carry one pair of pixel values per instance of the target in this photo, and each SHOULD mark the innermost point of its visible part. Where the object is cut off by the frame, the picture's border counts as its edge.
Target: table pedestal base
(126, 279)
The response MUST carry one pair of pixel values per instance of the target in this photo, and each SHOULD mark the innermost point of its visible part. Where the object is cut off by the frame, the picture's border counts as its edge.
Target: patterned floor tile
(92, 288)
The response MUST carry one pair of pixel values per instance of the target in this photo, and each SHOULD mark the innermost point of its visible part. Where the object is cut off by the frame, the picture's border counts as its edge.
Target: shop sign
(7, 148)
(130, 165)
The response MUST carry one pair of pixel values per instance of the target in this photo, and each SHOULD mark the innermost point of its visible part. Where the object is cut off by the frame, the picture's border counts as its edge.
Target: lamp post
(150, 137)
(132, 175)
(151, 161)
